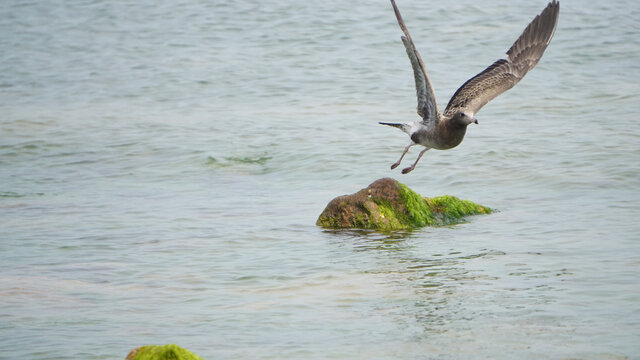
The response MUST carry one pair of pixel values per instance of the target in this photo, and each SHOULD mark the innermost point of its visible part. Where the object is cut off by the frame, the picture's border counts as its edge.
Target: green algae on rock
(389, 205)
(161, 352)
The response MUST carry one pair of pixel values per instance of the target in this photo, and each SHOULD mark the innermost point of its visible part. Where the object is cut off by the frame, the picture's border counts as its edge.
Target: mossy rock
(389, 205)
(162, 352)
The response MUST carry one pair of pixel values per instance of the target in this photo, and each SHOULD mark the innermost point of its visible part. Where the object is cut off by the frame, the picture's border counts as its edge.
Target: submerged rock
(161, 352)
(388, 205)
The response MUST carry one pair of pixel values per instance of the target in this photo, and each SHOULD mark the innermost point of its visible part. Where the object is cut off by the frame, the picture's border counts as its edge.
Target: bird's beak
(475, 121)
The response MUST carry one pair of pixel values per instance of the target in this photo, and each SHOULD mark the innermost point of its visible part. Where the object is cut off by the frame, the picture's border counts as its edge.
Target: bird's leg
(395, 165)
(410, 168)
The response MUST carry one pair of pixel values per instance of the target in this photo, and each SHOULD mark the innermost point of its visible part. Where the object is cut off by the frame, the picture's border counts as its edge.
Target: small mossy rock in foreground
(161, 352)
(388, 205)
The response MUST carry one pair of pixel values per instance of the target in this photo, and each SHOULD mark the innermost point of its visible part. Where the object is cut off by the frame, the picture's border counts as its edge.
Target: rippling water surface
(162, 166)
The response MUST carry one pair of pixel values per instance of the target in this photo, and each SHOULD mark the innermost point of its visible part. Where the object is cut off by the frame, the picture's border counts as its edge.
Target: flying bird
(446, 131)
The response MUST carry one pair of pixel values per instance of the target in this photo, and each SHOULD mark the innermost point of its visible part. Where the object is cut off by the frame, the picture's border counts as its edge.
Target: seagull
(446, 131)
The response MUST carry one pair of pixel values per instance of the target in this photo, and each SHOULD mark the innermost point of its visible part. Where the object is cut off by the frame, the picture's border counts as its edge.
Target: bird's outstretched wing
(503, 74)
(427, 106)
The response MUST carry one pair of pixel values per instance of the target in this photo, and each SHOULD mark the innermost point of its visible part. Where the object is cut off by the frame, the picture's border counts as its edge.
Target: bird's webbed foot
(397, 163)
(408, 169)
(413, 166)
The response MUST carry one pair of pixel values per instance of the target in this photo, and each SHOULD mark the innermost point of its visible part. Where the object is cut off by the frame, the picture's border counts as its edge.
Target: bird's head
(463, 119)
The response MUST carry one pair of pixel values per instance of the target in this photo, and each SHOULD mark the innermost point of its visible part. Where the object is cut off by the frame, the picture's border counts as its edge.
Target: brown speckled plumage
(447, 130)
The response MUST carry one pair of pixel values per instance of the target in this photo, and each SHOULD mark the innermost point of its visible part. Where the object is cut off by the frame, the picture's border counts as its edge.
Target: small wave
(237, 161)
(12, 194)
(249, 160)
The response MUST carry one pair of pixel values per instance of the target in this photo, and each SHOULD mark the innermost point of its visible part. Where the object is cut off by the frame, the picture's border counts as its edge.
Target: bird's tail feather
(391, 124)
(404, 127)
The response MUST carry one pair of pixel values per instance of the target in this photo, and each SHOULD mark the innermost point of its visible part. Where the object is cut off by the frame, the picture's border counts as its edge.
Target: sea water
(162, 166)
